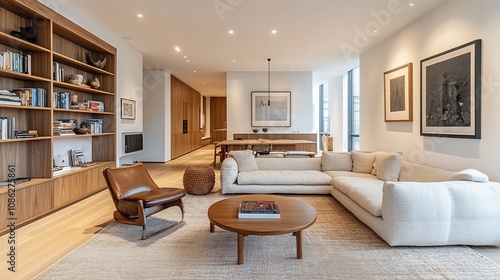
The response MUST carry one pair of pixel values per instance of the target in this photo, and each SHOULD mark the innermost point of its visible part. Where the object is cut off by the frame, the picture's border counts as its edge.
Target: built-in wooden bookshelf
(65, 43)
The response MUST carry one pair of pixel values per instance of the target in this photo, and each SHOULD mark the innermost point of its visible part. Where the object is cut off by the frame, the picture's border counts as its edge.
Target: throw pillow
(362, 162)
(336, 161)
(245, 160)
(379, 156)
(388, 166)
(469, 175)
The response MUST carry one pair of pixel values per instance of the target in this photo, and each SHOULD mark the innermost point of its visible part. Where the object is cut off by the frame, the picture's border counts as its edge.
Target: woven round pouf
(199, 180)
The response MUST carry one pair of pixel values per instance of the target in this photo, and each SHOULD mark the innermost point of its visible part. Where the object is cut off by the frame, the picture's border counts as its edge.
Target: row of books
(258, 209)
(94, 125)
(58, 72)
(34, 97)
(15, 62)
(7, 127)
(62, 100)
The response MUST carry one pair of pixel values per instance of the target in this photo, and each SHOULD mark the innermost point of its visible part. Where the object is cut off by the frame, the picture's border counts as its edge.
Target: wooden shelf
(59, 40)
(78, 64)
(11, 41)
(81, 89)
(21, 76)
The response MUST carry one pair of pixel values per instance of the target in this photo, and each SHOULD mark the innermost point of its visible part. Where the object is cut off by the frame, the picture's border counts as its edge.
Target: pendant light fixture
(268, 82)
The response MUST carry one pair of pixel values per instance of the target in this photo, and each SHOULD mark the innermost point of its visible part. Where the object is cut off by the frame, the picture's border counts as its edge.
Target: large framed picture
(451, 92)
(398, 94)
(128, 109)
(271, 108)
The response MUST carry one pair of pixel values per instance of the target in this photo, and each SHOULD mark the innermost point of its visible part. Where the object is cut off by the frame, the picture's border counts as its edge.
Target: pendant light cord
(268, 82)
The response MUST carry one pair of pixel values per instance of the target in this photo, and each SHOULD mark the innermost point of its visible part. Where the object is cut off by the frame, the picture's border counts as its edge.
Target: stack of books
(258, 209)
(9, 98)
(26, 134)
(63, 127)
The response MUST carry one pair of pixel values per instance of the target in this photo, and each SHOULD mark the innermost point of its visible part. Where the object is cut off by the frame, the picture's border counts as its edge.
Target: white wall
(451, 24)
(129, 69)
(241, 84)
(157, 118)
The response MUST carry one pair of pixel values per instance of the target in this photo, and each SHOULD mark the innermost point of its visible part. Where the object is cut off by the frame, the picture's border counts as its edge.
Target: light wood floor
(43, 242)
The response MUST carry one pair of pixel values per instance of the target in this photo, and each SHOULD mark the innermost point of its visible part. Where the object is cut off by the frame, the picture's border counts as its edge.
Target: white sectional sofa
(404, 203)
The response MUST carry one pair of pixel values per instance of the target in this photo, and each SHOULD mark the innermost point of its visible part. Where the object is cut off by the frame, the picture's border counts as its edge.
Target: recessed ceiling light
(234, 60)
(185, 56)
(274, 31)
(177, 49)
(140, 15)
(187, 60)
(231, 31)
(204, 83)
(194, 71)
(411, 4)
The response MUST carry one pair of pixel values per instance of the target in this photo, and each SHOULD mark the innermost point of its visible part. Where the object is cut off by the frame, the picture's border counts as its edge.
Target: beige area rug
(337, 246)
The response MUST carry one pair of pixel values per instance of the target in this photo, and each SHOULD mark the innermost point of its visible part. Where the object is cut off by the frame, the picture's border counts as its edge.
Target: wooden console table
(228, 145)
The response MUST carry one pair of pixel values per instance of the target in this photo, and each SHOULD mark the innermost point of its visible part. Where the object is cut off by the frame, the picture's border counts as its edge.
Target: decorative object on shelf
(451, 92)
(28, 33)
(99, 63)
(95, 83)
(255, 130)
(128, 109)
(74, 99)
(398, 94)
(264, 129)
(278, 114)
(76, 79)
(81, 130)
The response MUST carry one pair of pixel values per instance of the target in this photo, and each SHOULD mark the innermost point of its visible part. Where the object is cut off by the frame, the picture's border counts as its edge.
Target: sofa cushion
(365, 191)
(288, 163)
(283, 177)
(391, 164)
(414, 172)
(336, 161)
(334, 174)
(245, 160)
(389, 167)
(469, 175)
(362, 162)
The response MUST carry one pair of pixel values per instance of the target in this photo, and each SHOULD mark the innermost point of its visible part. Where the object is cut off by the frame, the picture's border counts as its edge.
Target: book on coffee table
(258, 209)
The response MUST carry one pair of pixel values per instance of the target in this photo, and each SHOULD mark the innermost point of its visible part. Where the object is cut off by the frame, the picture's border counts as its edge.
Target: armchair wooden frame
(136, 196)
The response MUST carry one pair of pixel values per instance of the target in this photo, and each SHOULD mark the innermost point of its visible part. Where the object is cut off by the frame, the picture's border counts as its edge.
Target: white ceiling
(310, 34)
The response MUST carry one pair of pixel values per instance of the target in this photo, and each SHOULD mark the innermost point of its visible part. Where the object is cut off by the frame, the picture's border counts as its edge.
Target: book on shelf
(34, 97)
(94, 125)
(7, 127)
(16, 62)
(26, 133)
(77, 157)
(14, 181)
(258, 209)
(63, 127)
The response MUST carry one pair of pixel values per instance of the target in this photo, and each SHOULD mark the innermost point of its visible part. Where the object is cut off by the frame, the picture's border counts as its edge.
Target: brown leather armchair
(136, 196)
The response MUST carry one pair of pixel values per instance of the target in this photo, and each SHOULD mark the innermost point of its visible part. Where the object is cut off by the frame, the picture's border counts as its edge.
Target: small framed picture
(128, 109)
(271, 108)
(398, 94)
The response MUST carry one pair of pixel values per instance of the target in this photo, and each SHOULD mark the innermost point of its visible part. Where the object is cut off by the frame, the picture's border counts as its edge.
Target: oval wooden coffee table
(296, 215)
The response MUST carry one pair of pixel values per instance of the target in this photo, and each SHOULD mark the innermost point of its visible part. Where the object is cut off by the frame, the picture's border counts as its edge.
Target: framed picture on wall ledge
(451, 92)
(128, 109)
(398, 94)
(271, 108)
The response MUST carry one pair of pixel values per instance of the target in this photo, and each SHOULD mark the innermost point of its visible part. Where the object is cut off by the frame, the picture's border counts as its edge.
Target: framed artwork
(276, 114)
(398, 94)
(450, 94)
(128, 109)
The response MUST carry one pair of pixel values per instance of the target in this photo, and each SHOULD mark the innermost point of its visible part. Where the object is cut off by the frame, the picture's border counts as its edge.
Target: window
(353, 93)
(324, 116)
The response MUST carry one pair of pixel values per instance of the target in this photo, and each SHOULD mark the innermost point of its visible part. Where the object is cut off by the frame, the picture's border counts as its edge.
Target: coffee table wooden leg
(298, 236)
(241, 246)
(212, 227)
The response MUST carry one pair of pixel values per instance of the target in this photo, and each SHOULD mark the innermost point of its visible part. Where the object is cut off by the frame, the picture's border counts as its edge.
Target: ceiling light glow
(231, 31)
(140, 15)
(177, 49)
(274, 31)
